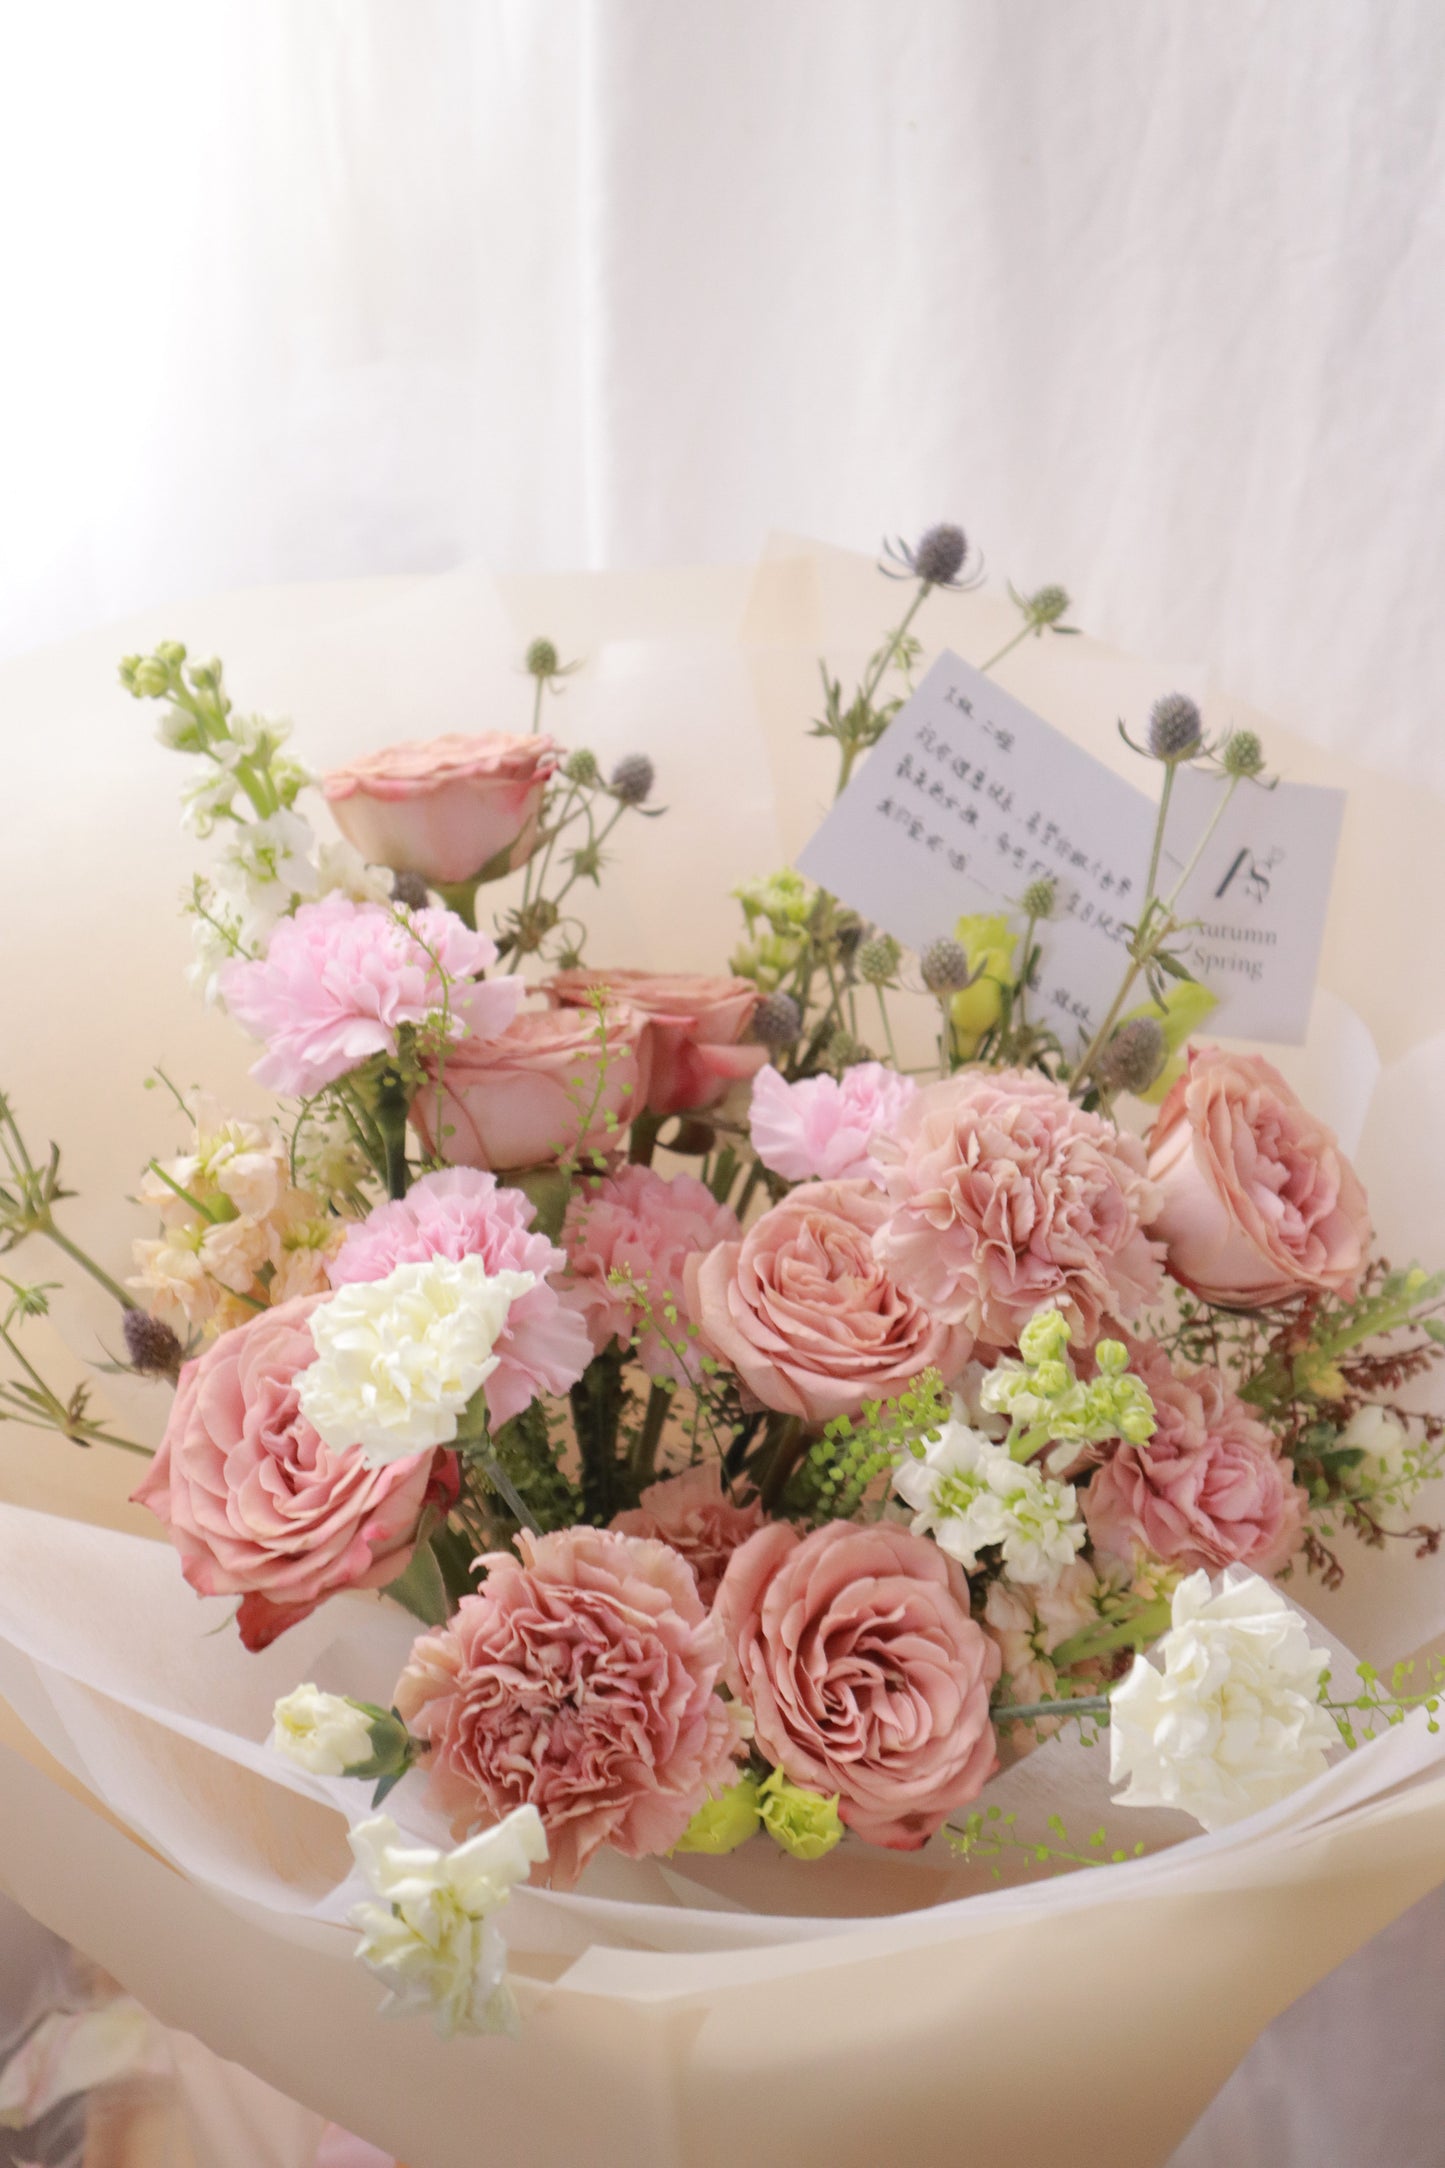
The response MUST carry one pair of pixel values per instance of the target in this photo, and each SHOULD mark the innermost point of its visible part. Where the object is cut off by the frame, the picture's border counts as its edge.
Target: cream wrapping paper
(664, 2018)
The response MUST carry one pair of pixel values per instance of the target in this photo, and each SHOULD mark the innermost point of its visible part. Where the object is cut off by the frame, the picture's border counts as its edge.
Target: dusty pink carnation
(822, 1128)
(808, 1315)
(462, 1212)
(446, 808)
(691, 1512)
(1008, 1197)
(581, 1680)
(866, 1676)
(1210, 1488)
(339, 979)
(1256, 1200)
(697, 1023)
(254, 1502)
(641, 1223)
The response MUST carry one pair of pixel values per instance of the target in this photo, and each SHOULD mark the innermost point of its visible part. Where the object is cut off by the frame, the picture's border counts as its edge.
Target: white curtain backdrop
(1149, 296)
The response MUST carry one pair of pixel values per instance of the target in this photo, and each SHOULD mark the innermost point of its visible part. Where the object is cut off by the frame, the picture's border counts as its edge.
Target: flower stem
(391, 1123)
(1131, 1633)
(644, 1451)
(1028, 1712)
(48, 1228)
(1008, 647)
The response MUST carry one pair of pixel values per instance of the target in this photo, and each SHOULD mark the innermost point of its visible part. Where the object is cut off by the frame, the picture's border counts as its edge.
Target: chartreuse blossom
(720, 1825)
(1233, 1722)
(1184, 1006)
(431, 1938)
(805, 1823)
(330, 1735)
(988, 943)
(970, 1495)
(1048, 1405)
(397, 1360)
(777, 910)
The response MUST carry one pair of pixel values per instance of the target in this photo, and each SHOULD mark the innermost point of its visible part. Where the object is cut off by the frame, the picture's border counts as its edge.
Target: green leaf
(421, 1589)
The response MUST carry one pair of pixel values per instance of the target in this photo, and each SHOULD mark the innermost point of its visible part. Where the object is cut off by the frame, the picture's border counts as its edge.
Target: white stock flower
(1379, 1435)
(431, 1939)
(323, 1733)
(398, 1359)
(1233, 1723)
(969, 1493)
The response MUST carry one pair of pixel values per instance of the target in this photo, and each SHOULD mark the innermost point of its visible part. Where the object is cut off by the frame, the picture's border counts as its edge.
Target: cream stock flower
(322, 1733)
(969, 1494)
(1233, 1722)
(431, 1939)
(398, 1359)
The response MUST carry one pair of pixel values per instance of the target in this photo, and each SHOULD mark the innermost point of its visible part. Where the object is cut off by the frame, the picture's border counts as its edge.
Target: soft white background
(1148, 294)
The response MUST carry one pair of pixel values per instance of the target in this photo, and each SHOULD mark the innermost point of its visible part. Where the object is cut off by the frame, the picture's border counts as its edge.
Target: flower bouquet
(813, 1414)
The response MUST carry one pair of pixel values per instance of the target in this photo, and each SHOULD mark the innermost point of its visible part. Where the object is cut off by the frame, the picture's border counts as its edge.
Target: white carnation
(1233, 1722)
(1379, 1435)
(431, 1939)
(398, 1359)
(970, 1494)
(323, 1733)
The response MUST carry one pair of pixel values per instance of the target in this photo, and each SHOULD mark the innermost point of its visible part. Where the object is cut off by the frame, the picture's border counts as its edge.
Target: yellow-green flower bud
(149, 678)
(722, 1824)
(1045, 1337)
(805, 1823)
(988, 943)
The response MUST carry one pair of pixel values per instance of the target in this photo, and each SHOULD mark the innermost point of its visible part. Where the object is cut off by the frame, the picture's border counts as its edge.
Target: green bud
(171, 652)
(150, 678)
(1045, 1336)
(722, 1824)
(581, 767)
(878, 960)
(1048, 605)
(1242, 754)
(541, 659)
(805, 1823)
(1039, 899)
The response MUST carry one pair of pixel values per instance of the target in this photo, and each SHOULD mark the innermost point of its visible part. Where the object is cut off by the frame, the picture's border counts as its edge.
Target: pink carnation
(1210, 1489)
(339, 979)
(866, 1676)
(1008, 1197)
(638, 1222)
(581, 1681)
(254, 1502)
(822, 1129)
(464, 1213)
(691, 1512)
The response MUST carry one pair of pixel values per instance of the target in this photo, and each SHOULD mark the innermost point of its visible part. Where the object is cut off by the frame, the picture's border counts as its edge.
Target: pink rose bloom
(580, 1680)
(697, 1023)
(339, 979)
(1258, 1202)
(445, 809)
(808, 1316)
(540, 1088)
(638, 1222)
(1210, 1488)
(544, 1346)
(822, 1129)
(691, 1512)
(866, 1676)
(1008, 1197)
(254, 1502)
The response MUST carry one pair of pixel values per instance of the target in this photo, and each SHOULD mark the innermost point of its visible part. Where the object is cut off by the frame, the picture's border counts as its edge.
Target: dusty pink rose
(254, 1502)
(1210, 1488)
(556, 1080)
(580, 1680)
(339, 979)
(822, 1129)
(691, 1512)
(806, 1313)
(866, 1676)
(461, 1212)
(447, 808)
(1258, 1202)
(639, 1222)
(1008, 1197)
(697, 1023)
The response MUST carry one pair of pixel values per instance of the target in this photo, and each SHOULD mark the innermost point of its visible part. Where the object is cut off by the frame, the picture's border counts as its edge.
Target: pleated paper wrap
(869, 2009)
